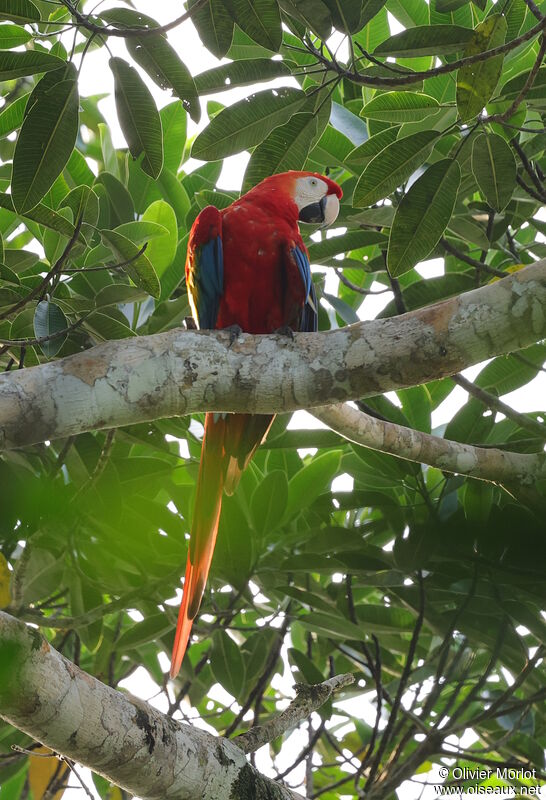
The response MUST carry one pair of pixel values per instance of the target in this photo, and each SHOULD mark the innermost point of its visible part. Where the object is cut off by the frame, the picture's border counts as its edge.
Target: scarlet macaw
(247, 269)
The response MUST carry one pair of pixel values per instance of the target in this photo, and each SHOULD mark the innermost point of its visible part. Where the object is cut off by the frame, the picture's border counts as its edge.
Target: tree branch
(181, 372)
(129, 742)
(308, 699)
(490, 464)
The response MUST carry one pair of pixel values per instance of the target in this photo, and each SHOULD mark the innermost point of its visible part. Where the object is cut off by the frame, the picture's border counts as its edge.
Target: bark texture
(180, 372)
(487, 463)
(122, 738)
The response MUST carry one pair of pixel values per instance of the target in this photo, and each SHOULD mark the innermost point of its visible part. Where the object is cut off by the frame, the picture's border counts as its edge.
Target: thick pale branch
(124, 739)
(308, 699)
(180, 372)
(490, 464)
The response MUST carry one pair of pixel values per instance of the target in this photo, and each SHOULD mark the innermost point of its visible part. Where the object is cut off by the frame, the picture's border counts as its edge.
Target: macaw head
(315, 196)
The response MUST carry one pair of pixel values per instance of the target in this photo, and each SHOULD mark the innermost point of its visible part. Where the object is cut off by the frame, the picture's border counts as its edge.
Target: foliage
(427, 586)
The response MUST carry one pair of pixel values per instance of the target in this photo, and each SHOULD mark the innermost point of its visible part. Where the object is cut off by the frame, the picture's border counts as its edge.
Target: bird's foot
(234, 332)
(190, 324)
(285, 330)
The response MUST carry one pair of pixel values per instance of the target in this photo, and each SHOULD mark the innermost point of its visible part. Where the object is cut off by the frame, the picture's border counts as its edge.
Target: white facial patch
(309, 190)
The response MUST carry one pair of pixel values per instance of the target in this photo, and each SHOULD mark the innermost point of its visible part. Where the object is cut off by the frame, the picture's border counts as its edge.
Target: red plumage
(258, 285)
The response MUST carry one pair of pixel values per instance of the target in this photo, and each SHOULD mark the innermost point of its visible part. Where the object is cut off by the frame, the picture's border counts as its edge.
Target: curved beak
(324, 212)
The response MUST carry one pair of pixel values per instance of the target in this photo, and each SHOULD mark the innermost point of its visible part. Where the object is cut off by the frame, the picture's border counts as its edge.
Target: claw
(190, 324)
(285, 330)
(234, 332)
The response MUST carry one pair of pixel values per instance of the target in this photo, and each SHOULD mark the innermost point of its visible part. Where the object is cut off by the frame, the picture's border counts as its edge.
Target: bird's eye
(313, 181)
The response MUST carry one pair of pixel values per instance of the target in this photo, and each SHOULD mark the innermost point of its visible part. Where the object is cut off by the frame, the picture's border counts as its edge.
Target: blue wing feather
(210, 282)
(205, 267)
(309, 315)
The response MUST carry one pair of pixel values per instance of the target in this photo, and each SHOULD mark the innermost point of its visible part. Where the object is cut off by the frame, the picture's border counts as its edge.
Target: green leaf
(246, 123)
(392, 166)
(137, 266)
(425, 40)
(372, 146)
(400, 107)
(286, 148)
(108, 151)
(19, 11)
(48, 320)
(13, 36)
(173, 124)
(476, 82)
(269, 501)
(30, 62)
(423, 215)
(370, 9)
(314, 14)
(346, 13)
(141, 231)
(332, 625)
(45, 142)
(149, 630)
(259, 19)
(312, 480)
(42, 215)
(164, 66)
(121, 203)
(352, 240)
(161, 251)
(537, 91)
(11, 116)
(227, 663)
(116, 293)
(494, 168)
(138, 116)
(214, 26)
(239, 73)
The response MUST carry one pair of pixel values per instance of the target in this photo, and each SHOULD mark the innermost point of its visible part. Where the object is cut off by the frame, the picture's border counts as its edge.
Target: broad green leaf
(423, 215)
(239, 73)
(121, 203)
(269, 501)
(164, 66)
(425, 40)
(537, 91)
(444, 6)
(494, 168)
(372, 146)
(346, 13)
(369, 10)
(42, 215)
(138, 116)
(19, 11)
(352, 240)
(104, 326)
(246, 123)
(259, 19)
(136, 264)
(45, 142)
(108, 151)
(116, 293)
(5, 581)
(382, 619)
(309, 670)
(469, 231)
(29, 62)
(314, 14)
(284, 149)
(13, 36)
(175, 193)
(11, 116)
(476, 82)
(400, 107)
(214, 25)
(173, 124)
(392, 166)
(161, 251)
(332, 625)
(48, 321)
(312, 480)
(141, 231)
(149, 630)
(227, 663)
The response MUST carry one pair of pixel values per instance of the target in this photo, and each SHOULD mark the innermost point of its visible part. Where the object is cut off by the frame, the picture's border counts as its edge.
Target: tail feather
(228, 445)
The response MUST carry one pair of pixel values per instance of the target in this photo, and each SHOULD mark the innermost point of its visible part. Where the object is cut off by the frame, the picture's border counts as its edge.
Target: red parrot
(247, 269)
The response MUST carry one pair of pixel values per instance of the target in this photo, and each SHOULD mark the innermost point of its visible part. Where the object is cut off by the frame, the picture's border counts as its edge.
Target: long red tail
(229, 443)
